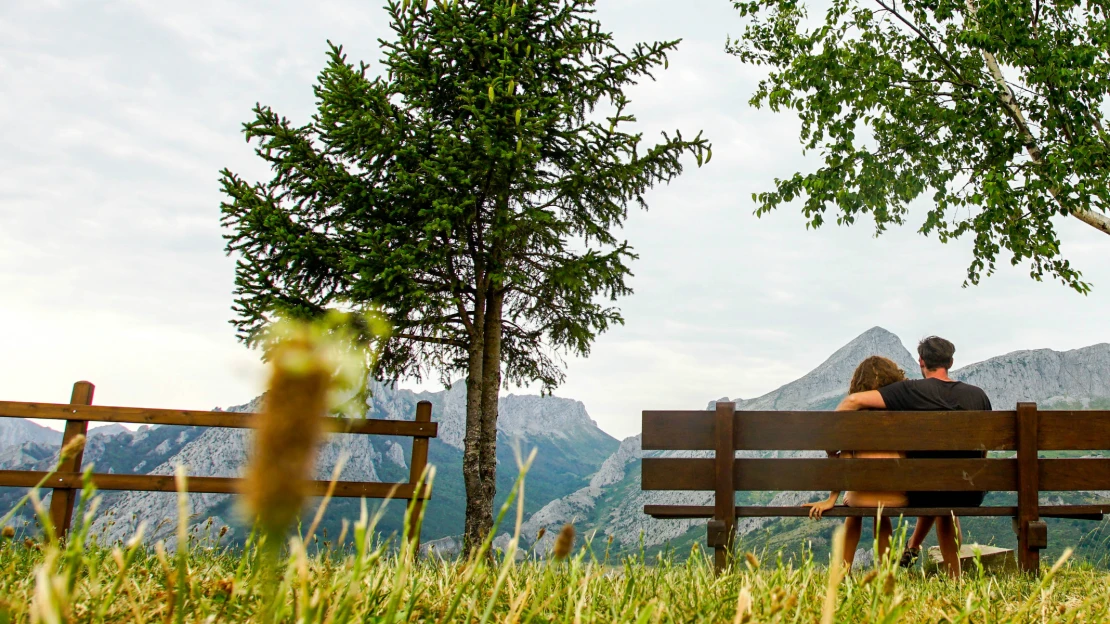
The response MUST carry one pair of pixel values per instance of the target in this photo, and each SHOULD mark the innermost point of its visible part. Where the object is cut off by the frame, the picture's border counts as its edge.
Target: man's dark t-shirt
(920, 395)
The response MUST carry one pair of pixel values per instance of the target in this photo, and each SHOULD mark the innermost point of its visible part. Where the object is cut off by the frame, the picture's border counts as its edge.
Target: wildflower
(226, 586)
(29, 544)
(223, 531)
(72, 448)
(564, 542)
(888, 584)
(286, 433)
(8, 532)
(870, 576)
(753, 563)
(542, 532)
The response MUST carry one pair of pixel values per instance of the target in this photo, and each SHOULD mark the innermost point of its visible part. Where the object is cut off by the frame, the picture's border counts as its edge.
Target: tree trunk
(479, 510)
(491, 387)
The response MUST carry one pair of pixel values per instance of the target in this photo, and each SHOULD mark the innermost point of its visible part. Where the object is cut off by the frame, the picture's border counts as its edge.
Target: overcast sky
(117, 116)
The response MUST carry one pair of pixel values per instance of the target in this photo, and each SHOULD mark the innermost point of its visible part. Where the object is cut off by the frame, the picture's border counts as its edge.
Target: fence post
(722, 529)
(61, 501)
(1032, 531)
(416, 470)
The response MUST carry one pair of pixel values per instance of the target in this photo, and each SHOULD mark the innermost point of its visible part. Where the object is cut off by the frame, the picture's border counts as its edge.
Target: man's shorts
(946, 499)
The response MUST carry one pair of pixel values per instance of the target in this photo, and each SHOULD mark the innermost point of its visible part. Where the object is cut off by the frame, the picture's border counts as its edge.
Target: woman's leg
(853, 526)
(885, 530)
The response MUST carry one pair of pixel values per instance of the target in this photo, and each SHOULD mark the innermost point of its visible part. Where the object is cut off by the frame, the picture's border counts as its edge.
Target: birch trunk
(1098, 221)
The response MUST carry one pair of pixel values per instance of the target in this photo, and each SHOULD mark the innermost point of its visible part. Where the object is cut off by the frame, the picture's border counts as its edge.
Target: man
(936, 392)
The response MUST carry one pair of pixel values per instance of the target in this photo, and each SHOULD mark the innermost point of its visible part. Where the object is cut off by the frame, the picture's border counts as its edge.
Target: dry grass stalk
(73, 447)
(287, 433)
(836, 574)
(743, 606)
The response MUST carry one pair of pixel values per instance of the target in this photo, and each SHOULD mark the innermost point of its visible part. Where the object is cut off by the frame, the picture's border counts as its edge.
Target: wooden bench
(1024, 430)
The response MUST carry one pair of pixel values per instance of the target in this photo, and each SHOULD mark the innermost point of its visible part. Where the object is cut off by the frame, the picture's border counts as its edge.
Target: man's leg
(921, 531)
(913, 546)
(949, 544)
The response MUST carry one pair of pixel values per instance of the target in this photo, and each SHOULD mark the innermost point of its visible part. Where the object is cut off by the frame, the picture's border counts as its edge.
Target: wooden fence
(66, 482)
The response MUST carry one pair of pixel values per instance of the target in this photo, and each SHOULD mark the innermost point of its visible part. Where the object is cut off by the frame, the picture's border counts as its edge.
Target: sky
(119, 114)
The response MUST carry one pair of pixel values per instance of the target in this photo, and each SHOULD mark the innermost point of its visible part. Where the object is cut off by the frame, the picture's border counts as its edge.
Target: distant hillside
(581, 475)
(571, 448)
(613, 503)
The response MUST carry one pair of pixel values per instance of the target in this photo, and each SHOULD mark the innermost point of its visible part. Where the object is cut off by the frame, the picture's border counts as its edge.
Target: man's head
(935, 353)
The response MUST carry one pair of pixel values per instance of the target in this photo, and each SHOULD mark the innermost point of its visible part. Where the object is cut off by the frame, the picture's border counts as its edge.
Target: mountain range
(581, 474)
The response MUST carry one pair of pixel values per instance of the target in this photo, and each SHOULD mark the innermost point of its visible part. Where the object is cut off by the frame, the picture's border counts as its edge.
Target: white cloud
(118, 116)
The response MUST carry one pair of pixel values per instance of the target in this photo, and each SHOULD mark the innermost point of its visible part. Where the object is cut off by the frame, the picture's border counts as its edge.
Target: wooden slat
(1063, 475)
(818, 431)
(724, 472)
(62, 500)
(1074, 430)
(192, 418)
(1028, 485)
(198, 485)
(1069, 475)
(417, 462)
(952, 475)
(1086, 512)
(678, 431)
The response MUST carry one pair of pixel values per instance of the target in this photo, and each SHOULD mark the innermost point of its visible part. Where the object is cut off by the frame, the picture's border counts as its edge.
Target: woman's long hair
(874, 373)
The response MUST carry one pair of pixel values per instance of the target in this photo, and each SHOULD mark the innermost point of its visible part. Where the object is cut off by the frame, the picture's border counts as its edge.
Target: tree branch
(1013, 110)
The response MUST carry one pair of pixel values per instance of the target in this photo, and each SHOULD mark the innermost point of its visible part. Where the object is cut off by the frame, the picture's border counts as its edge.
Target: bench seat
(677, 512)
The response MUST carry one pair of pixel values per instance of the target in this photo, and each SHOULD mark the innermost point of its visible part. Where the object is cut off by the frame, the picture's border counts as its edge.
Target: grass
(357, 578)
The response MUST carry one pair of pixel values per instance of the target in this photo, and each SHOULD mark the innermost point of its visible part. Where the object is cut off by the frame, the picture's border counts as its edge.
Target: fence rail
(66, 482)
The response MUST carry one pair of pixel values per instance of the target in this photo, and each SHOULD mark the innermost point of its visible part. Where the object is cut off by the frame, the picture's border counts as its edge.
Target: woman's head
(874, 373)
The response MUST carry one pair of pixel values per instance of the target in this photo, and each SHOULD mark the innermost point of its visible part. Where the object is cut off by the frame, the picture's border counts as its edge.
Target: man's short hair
(936, 352)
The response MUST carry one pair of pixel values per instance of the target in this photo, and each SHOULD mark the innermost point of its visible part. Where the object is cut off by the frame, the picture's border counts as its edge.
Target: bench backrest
(873, 431)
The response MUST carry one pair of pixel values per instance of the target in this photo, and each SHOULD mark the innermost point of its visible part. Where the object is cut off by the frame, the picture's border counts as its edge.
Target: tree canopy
(993, 110)
(470, 192)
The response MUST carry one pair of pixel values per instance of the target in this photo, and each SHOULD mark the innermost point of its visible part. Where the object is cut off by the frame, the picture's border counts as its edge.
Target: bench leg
(719, 536)
(1032, 537)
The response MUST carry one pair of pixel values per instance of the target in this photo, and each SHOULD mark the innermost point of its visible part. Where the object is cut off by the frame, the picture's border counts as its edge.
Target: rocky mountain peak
(1042, 375)
(518, 415)
(829, 380)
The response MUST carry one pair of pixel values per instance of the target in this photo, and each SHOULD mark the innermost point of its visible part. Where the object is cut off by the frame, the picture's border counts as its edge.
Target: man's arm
(862, 400)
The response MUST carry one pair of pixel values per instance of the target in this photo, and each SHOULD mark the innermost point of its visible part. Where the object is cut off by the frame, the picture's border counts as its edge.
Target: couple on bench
(878, 383)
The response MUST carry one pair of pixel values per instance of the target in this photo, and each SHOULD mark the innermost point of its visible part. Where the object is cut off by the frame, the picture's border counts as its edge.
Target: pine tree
(470, 193)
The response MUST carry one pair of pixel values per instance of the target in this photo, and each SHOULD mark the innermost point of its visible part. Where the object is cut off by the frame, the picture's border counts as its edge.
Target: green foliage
(487, 166)
(993, 109)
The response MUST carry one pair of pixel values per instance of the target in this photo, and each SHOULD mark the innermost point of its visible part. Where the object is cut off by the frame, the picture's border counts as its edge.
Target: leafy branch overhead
(993, 110)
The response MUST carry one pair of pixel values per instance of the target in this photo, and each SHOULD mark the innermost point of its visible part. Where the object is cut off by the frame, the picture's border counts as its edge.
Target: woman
(872, 374)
